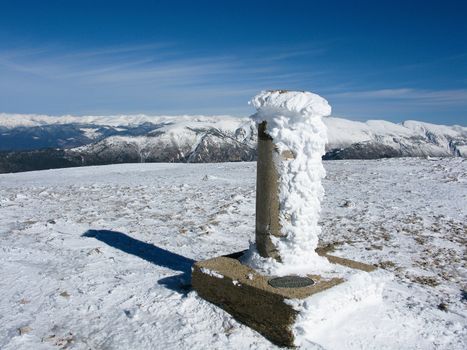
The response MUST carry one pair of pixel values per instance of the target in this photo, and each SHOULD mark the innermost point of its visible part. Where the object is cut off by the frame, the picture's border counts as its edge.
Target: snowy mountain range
(33, 142)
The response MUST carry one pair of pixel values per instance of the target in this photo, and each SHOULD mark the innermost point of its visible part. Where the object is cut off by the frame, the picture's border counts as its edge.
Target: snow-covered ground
(99, 257)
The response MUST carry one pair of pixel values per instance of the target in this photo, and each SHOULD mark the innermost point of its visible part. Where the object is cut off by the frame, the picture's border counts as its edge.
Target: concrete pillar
(267, 194)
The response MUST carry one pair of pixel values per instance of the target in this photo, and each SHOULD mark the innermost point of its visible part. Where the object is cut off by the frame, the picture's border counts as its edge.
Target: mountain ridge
(33, 142)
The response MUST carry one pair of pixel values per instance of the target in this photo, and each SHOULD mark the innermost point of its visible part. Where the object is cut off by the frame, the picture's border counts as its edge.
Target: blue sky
(392, 60)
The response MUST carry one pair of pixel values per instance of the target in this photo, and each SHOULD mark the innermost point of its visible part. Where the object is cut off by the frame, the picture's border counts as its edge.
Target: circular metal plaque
(290, 282)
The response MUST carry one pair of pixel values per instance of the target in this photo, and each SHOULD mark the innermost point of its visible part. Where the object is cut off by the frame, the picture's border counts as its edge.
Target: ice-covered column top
(294, 121)
(299, 104)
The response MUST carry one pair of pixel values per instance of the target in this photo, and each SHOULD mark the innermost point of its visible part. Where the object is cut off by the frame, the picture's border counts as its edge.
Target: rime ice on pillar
(291, 142)
(292, 138)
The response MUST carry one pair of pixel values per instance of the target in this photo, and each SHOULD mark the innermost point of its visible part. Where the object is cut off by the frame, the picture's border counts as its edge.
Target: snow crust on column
(294, 121)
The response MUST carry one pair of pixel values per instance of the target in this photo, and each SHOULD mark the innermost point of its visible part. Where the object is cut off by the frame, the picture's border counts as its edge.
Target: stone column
(267, 194)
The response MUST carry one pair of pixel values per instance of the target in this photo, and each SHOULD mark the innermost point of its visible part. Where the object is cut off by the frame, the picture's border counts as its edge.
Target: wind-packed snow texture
(293, 120)
(322, 311)
(100, 257)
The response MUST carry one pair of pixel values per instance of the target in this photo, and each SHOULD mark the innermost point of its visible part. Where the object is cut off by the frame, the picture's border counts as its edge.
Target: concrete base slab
(248, 297)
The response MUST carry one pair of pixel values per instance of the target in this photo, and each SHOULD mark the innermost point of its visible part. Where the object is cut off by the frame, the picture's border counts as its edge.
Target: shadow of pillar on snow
(158, 256)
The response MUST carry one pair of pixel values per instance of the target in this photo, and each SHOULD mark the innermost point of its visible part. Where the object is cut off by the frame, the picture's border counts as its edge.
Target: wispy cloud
(154, 72)
(164, 78)
(427, 97)
(147, 63)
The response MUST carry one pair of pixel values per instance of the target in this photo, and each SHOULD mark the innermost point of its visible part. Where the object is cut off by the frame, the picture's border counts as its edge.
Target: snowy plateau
(35, 142)
(100, 257)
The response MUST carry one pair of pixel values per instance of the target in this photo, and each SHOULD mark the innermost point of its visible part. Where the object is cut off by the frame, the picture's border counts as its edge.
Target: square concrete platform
(250, 299)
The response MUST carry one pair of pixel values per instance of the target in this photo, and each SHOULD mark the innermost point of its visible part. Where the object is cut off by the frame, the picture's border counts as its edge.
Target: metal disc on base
(290, 282)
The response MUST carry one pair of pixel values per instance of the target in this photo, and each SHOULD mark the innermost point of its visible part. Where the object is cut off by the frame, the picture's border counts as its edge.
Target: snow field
(99, 257)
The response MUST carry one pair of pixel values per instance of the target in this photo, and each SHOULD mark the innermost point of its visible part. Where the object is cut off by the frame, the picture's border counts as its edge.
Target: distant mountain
(31, 142)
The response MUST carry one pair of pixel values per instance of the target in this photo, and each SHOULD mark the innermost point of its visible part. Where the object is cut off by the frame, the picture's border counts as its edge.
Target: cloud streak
(147, 63)
(155, 71)
(421, 96)
(162, 78)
